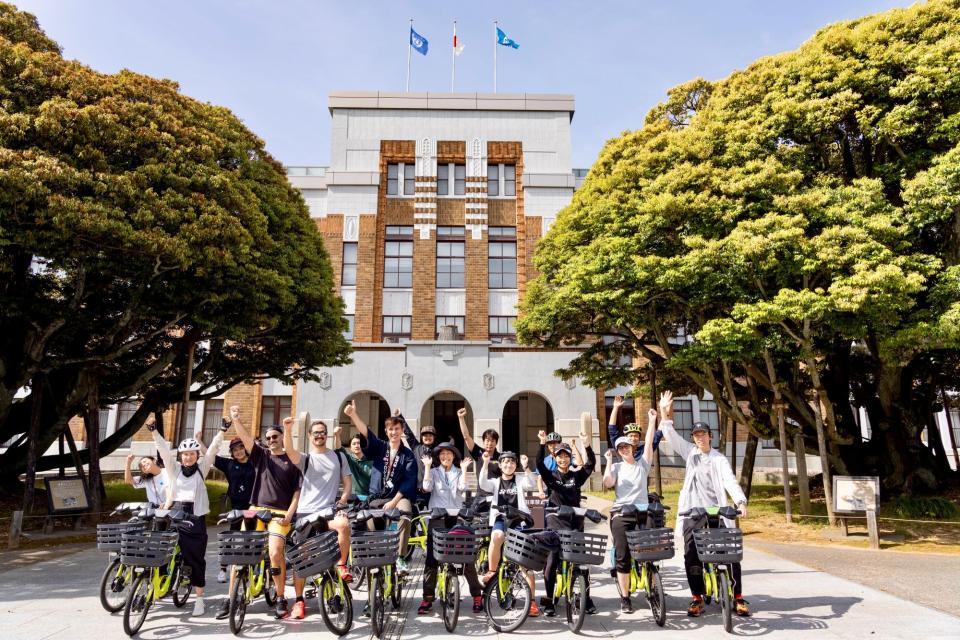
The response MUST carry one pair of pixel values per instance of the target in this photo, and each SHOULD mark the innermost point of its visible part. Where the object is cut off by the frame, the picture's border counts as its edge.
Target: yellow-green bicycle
(117, 577)
(717, 547)
(245, 552)
(576, 549)
(648, 547)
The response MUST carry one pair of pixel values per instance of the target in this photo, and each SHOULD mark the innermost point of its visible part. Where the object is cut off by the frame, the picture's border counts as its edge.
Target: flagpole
(495, 23)
(408, 54)
(453, 57)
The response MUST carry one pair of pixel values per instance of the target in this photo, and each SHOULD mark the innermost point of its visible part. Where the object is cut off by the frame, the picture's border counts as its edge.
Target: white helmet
(188, 445)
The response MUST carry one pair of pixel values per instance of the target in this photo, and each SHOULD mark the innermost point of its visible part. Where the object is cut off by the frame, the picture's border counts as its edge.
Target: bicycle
(117, 577)
(451, 551)
(717, 547)
(648, 547)
(576, 548)
(507, 596)
(377, 552)
(246, 553)
(315, 558)
(418, 532)
(157, 564)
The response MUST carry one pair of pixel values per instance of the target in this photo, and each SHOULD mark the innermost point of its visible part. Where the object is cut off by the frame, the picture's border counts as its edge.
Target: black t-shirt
(276, 481)
(507, 497)
(240, 479)
(565, 487)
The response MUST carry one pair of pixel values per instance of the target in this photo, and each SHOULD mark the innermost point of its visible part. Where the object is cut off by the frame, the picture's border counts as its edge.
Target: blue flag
(418, 42)
(504, 40)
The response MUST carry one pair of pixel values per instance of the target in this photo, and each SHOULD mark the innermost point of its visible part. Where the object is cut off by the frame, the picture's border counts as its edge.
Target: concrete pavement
(57, 598)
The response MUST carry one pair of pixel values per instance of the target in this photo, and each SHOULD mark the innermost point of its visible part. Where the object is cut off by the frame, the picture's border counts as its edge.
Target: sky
(273, 62)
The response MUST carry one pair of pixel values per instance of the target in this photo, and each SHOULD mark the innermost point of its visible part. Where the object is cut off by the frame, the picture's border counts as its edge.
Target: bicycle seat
(172, 515)
(440, 512)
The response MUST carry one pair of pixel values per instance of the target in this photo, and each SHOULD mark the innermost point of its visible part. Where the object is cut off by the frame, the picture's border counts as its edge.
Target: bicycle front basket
(241, 547)
(148, 548)
(523, 549)
(109, 536)
(456, 548)
(720, 545)
(648, 545)
(314, 555)
(582, 548)
(375, 548)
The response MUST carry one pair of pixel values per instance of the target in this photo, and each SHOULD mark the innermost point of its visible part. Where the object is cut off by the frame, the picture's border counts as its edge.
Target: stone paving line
(58, 599)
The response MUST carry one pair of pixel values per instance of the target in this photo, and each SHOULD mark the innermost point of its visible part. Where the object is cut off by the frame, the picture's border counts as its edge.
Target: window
(502, 258)
(450, 266)
(400, 179)
(348, 275)
(396, 328)
(502, 328)
(348, 334)
(451, 179)
(212, 412)
(501, 180)
(683, 417)
(104, 417)
(124, 413)
(457, 321)
(398, 258)
(273, 409)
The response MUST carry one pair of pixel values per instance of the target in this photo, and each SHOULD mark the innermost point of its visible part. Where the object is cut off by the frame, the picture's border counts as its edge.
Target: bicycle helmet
(188, 445)
(633, 427)
(509, 454)
(553, 436)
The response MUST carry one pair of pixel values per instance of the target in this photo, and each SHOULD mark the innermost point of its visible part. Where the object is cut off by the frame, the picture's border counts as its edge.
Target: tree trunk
(749, 457)
(91, 423)
(33, 435)
(824, 458)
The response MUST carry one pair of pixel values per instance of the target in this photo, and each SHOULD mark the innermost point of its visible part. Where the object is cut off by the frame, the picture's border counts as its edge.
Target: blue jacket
(613, 433)
(402, 478)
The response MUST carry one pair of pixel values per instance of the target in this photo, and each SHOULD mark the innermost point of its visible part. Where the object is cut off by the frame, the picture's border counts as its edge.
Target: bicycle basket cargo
(651, 544)
(483, 531)
(582, 548)
(523, 549)
(314, 555)
(458, 548)
(148, 548)
(241, 547)
(374, 548)
(719, 545)
(109, 536)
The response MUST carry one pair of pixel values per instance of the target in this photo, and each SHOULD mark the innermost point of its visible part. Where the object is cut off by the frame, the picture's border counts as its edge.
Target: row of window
(450, 267)
(399, 328)
(452, 179)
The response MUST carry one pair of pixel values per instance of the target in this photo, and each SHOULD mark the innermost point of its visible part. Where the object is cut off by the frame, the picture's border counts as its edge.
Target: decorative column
(425, 200)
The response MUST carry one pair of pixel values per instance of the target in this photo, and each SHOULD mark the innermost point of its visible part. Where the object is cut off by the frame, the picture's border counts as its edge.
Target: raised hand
(543, 436)
(462, 412)
(351, 409)
(666, 404)
(287, 422)
(465, 465)
(427, 461)
(396, 412)
(486, 455)
(617, 402)
(652, 415)
(336, 433)
(608, 454)
(234, 412)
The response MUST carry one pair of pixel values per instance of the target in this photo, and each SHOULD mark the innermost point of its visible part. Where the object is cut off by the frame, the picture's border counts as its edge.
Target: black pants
(555, 523)
(193, 546)
(694, 567)
(430, 564)
(619, 527)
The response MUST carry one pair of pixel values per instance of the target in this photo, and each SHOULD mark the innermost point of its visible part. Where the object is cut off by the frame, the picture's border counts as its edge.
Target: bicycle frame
(160, 584)
(564, 582)
(419, 541)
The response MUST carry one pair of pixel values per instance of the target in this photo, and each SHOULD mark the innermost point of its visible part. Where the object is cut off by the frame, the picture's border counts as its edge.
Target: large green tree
(135, 225)
(797, 225)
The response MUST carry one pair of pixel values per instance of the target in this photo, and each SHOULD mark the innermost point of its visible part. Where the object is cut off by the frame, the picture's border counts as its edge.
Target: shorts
(273, 527)
(500, 525)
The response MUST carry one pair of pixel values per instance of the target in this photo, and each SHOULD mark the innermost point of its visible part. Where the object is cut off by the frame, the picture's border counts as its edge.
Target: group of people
(404, 469)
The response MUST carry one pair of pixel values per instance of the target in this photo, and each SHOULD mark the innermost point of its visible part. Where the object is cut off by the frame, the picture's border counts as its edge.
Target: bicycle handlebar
(263, 515)
(700, 512)
(565, 511)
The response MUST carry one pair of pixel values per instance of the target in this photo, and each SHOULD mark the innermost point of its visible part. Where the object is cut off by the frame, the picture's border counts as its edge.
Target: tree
(135, 224)
(794, 228)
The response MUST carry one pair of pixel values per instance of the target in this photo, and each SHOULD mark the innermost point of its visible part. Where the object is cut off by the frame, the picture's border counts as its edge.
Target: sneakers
(695, 608)
(426, 605)
(478, 604)
(534, 610)
(591, 607)
(224, 611)
(742, 608)
(548, 609)
(282, 610)
(344, 572)
(402, 567)
(299, 611)
(222, 575)
(626, 606)
(198, 608)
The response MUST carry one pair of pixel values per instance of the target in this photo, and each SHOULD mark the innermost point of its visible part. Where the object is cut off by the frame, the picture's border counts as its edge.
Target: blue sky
(273, 62)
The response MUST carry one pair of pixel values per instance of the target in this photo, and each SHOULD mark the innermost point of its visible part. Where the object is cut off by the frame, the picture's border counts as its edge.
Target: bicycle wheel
(336, 605)
(138, 604)
(726, 601)
(115, 586)
(238, 603)
(451, 598)
(397, 593)
(269, 586)
(507, 607)
(375, 600)
(181, 586)
(655, 596)
(577, 601)
(359, 575)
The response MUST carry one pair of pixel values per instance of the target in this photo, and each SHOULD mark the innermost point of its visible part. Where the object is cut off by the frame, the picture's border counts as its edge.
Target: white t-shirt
(156, 487)
(631, 487)
(321, 480)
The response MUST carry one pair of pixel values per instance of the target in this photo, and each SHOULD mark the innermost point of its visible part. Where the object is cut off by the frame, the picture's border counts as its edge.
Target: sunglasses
(272, 438)
(319, 434)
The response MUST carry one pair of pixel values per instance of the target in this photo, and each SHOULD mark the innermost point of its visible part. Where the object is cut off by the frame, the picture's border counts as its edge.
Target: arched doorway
(371, 408)
(440, 411)
(524, 415)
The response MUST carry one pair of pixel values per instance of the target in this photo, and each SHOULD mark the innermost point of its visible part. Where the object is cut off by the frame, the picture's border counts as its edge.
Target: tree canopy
(135, 223)
(793, 228)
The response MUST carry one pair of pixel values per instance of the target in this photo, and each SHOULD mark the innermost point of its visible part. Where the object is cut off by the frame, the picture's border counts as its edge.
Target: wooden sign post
(856, 495)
